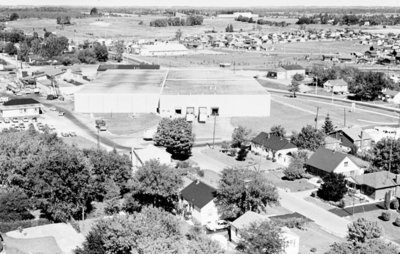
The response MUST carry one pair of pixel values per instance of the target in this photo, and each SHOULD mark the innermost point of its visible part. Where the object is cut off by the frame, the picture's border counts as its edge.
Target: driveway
(325, 219)
(344, 212)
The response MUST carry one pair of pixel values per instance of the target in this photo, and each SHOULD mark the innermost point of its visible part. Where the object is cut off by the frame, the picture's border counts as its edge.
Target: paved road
(327, 220)
(206, 162)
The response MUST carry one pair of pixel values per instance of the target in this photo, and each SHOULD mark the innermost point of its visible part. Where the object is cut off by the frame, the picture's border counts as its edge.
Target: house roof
(40, 245)
(336, 82)
(325, 159)
(377, 180)
(272, 142)
(198, 193)
(247, 219)
(390, 92)
(292, 67)
(354, 133)
(22, 101)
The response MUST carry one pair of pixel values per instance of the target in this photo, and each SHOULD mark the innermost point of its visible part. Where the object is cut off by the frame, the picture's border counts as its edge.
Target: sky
(211, 3)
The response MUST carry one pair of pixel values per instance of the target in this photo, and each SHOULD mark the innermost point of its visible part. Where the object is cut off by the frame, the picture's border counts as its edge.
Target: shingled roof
(198, 193)
(326, 160)
(272, 142)
(22, 101)
(377, 180)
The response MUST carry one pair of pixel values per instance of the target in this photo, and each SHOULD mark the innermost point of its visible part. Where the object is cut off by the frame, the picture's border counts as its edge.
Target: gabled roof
(377, 180)
(247, 219)
(336, 82)
(325, 159)
(198, 193)
(22, 101)
(292, 67)
(272, 142)
(354, 133)
(390, 92)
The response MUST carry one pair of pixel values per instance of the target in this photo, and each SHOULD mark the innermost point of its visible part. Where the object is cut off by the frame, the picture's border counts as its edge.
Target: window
(178, 111)
(214, 111)
(346, 163)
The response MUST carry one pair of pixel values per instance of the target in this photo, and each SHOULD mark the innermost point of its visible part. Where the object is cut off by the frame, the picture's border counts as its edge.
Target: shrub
(131, 205)
(385, 216)
(341, 204)
(293, 222)
(10, 226)
(200, 173)
(394, 204)
(112, 206)
(397, 222)
(313, 194)
(313, 249)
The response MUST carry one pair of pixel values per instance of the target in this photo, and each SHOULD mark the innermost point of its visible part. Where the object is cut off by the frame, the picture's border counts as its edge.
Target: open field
(124, 28)
(294, 113)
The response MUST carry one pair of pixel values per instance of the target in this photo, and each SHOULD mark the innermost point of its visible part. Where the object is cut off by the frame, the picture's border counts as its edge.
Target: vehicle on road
(72, 134)
(15, 120)
(61, 113)
(25, 119)
(101, 125)
(53, 109)
(217, 225)
(6, 120)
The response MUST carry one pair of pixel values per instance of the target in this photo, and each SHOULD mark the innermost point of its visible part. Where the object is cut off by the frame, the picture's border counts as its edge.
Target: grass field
(294, 186)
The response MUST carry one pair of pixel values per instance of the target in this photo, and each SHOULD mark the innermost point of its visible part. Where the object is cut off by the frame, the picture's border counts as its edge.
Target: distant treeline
(262, 21)
(41, 12)
(349, 19)
(194, 20)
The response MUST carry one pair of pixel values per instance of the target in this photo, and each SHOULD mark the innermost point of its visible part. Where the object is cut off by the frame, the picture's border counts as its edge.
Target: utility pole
(316, 119)
(215, 120)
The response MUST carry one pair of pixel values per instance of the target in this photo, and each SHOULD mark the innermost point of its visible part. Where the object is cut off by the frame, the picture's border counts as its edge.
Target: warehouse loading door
(190, 114)
(202, 114)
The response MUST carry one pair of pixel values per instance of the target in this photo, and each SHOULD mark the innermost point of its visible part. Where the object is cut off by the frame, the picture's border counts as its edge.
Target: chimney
(197, 180)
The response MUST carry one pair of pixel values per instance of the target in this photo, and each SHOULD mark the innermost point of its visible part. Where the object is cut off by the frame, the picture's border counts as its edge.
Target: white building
(336, 86)
(292, 240)
(163, 49)
(198, 199)
(174, 93)
(294, 69)
(273, 147)
(150, 152)
(20, 108)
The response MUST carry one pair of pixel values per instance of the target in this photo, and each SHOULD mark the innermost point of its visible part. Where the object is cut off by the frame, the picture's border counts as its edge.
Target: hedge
(10, 226)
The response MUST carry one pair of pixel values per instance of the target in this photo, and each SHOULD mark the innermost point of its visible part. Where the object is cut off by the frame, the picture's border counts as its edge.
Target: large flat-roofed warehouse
(213, 92)
(174, 93)
(122, 91)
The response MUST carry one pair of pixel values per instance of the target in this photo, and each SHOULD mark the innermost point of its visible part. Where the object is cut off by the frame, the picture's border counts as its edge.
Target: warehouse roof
(191, 82)
(126, 81)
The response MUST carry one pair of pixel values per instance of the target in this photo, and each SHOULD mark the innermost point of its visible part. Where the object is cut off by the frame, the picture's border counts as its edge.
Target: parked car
(217, 225)
(61, 113)
(34, 119)
(72, 134)
(25, 120)
(6, 120)
(53, 109)
(64, 134)
(15, 120)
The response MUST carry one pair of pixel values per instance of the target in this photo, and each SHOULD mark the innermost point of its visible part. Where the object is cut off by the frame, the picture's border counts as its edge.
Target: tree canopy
(262, 238)
(278, 130)
(14, 206)
(241, 190)
(363, 230)
(157, 184)
(240, 135)
(308, 138)
(101, 52)
(328, 126)
(382, 157)
(176, 135)
(333, 188)
(150, 231)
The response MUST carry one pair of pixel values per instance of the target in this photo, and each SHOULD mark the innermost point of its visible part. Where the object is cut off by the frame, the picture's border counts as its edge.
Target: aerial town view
(206, 127)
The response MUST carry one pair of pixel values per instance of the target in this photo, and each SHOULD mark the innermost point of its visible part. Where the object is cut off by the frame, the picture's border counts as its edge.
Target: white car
(217, 225)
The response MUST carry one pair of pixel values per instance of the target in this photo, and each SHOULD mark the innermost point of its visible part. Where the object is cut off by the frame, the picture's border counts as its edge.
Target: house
(292, 240)
(376, 185)
(274, 147)
(325, 161)
(336, 86)
(351, 136)
(277, 73)
(198, 199)
(391, 96)
(20, 108)
(292, 70)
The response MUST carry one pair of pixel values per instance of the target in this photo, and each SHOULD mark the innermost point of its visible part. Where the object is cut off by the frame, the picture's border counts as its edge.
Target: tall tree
(242, 190)
(328, 125)
(363, 230)
(23, 51)
(294, 87)
(157, 184)
(308, 138)
(176, 135)
(240, 135)
(278, 130)
(54, 46)
(10, 49)
(369, 85)
(36, 46)
(386, 152)
(262, 238)
(119, 48)
(101, 52)
(333, 188)
(14, 16)
(94, 12)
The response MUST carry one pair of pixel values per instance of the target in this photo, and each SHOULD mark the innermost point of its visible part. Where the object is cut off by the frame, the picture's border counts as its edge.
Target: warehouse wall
(116, 103)
(229, 105)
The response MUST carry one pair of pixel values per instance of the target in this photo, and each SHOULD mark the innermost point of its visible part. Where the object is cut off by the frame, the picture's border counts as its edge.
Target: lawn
(390, 231)
(294, 186)
(126, 124)
(320, 203)
(315, 237)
